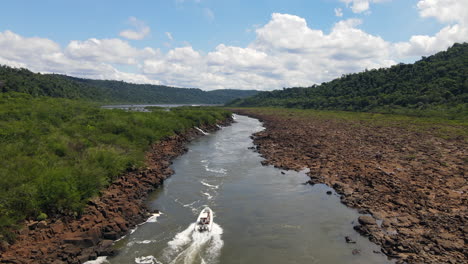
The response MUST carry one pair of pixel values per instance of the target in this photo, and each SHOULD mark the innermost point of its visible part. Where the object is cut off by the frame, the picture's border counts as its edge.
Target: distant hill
(435, 83)
(54, 85)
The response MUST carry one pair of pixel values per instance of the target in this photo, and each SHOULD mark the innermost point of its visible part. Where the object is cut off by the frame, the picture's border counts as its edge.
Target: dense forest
(435, 85)
(54, 85)
(56, 153)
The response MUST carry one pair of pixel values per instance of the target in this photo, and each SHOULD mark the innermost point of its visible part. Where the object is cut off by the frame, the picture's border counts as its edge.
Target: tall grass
(57, 153)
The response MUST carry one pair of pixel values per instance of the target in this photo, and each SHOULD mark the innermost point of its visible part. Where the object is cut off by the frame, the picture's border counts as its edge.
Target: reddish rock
(58, 227)
(367, 220)
(415, 180)
(111, 235)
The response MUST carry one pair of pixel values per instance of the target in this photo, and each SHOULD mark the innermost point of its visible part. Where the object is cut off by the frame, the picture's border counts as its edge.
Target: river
(262, 214)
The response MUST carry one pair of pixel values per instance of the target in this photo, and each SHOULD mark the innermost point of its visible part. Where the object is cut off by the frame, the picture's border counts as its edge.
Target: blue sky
(63, 21)
(254, 46)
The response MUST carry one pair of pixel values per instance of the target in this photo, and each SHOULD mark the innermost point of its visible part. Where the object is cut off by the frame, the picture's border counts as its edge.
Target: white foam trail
(220, 127)
(208, 195)
(122, 237)
(99, 260)
(190, 204)
(181, 239)
(219, 171)
(153, 218)
(234, 116)
(130, 244)
(191, 245)
(203, 132)
(147, 260)
(209, 185)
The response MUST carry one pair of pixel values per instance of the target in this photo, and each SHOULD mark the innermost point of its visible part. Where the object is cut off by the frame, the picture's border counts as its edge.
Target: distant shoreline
(157, 105)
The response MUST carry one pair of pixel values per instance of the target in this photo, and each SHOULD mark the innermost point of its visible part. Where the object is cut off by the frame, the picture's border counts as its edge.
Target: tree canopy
(54, 85)
(433, 84)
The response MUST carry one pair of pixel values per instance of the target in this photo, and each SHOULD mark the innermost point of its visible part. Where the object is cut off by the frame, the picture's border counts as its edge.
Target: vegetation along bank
(74, 176)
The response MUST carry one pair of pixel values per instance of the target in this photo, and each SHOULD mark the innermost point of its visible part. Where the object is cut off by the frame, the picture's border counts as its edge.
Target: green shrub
(57, 153)
(41, 216)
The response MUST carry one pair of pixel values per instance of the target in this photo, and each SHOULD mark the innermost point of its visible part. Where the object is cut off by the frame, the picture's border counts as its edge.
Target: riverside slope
(413, 184)
(112, 215)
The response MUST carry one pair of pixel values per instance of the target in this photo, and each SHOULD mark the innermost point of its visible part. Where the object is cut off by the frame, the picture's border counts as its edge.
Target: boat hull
(205, 220)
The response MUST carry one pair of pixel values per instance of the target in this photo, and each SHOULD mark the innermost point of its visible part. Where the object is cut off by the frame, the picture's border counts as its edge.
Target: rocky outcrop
(411, 184)
(119, 208)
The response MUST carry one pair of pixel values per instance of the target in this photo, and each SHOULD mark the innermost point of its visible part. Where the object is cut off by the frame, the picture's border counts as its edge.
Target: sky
(225, 44)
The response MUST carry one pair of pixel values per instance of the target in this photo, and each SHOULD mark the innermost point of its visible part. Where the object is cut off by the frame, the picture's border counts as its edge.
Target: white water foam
(209, 185)
(130, 244)
(189, 205)
(219, 171)
(209, 196)
(153, 218)
(147, 260)
(191, 246)
(203, 132)
(99, 260)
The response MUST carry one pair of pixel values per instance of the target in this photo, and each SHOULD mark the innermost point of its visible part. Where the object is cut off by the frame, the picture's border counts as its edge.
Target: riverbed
(262, 214)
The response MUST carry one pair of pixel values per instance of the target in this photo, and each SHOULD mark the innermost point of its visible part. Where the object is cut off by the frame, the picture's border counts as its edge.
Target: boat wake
(218, 171)
(191, 246)
(99, 260)
(208, 196)
(147, 260)
(209, 185)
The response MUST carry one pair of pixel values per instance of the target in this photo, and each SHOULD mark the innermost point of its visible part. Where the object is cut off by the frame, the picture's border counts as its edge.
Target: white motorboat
(205, 220)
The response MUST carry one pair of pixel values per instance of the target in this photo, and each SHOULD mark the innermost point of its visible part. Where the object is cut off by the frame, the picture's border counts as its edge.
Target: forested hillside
(53, 85)
(35, 84)
(119, 91)
(434, 85)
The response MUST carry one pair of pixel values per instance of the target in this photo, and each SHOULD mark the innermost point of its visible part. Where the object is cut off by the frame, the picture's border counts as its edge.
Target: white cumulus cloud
(359, 6)
(82, 59)
(454, 12)
(107, 50)
(140, 31)
(445, 10)
(285, 52)
(338, 12)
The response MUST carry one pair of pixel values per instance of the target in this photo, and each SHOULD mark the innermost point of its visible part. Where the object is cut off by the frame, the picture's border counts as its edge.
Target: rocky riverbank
(106, 218)
(410, 186)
